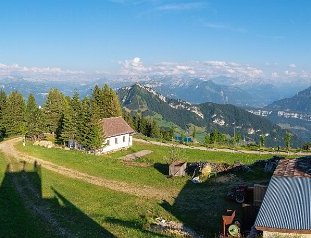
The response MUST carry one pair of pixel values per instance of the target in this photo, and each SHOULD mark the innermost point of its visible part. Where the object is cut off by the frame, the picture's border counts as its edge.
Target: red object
(228, 219)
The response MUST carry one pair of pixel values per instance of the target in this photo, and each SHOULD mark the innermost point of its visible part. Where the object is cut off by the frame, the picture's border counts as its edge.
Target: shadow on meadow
(200, 206)
(25, 213)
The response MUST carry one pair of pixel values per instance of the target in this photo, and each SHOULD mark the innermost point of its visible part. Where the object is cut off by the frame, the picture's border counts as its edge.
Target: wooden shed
(177, 168)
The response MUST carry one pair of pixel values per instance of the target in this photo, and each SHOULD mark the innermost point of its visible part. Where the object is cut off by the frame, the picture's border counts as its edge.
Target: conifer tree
(115, 104)
(14, 115)
(34, 118)
(96, 130)
(53, 110)
(155, 129)
(68, 127)
(2, 106)
(128, 118)
(90, 130)
(98, 98)
(111, 103)
(83, 129)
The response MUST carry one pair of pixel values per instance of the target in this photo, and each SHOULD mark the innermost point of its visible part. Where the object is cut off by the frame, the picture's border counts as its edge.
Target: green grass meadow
(91, 211)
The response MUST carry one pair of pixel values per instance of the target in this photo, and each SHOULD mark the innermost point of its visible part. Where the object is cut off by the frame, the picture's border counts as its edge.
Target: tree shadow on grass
(25, 213)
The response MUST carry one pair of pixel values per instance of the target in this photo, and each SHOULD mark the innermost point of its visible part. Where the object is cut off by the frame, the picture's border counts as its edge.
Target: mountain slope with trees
(226, 118)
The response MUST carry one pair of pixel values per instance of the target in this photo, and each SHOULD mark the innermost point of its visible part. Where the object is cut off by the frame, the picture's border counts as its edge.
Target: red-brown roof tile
(115, 126)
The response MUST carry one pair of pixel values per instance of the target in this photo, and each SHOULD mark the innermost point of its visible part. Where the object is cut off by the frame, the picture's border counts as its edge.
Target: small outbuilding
(177, 168)
(286, 207)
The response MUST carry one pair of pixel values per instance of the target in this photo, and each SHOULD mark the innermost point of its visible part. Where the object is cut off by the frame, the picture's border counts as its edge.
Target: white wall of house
(268, 234)
(117, 143)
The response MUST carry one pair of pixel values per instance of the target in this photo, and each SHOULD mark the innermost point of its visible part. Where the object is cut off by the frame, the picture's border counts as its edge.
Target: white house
(118, 134)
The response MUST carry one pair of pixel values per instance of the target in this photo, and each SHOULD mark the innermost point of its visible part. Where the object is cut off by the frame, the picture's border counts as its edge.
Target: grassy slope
(197, 205)
(91, 210)
(15, 220)
(83, 209)
(108, 166)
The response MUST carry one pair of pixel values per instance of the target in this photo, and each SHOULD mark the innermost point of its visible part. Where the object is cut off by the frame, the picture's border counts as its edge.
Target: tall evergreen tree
(98, 98)
(34, 119)
(90, 130)
(14, 114)
(111, 103)
(155, 129)
(287, 139)
(2, 106)
(96, 130)
(53, 110)
(68, 127)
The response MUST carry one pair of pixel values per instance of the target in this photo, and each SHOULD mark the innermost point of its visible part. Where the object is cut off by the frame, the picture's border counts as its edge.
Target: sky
(242, 38)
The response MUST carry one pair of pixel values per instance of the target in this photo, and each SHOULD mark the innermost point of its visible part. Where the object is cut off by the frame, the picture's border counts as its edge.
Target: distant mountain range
(301, 102)
(225, 118)
(290, 113)
(199, 91)
(222, 90)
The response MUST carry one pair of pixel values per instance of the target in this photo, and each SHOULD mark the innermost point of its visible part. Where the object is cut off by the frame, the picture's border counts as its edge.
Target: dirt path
(221, 150)
(7, 147)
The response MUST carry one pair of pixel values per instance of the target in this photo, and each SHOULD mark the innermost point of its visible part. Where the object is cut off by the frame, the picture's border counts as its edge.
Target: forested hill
(225, 118)
(301, 102)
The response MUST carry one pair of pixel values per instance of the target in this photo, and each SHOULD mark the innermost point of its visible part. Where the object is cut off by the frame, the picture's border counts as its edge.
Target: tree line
(148, 126)
(66, 118)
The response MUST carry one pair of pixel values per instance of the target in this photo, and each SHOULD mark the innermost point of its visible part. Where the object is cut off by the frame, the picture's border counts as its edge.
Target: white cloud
(292, 66)
(43, 73)
(206, 69)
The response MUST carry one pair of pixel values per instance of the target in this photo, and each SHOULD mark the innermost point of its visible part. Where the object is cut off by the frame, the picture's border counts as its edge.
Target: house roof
(114, 126)
(287, 205)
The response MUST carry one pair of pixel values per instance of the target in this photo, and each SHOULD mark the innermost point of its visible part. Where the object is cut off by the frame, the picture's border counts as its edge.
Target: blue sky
(103, 35)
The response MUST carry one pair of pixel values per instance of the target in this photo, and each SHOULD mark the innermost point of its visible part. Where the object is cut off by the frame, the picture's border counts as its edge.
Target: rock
(44, 143)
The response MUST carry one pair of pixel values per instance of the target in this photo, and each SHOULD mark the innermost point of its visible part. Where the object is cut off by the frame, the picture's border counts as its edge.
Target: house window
(116, 140)
(123, 138)
(108, 142)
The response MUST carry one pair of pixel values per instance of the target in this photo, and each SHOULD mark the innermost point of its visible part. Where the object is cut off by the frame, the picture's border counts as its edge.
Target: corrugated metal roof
(286, 205)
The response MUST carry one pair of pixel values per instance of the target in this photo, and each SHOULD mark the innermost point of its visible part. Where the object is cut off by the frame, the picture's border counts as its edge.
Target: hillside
(301, 102)
(208, 115)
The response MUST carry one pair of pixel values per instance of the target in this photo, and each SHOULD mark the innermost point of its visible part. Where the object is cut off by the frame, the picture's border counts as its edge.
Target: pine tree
(68, 127)
(34, 119)
(115, 103)
(262, 140)
(53, 110)
(2, 106)
(83, 127)
(194, 132)
(287, 139)
(128, 118)
(111, 103)
(90, 130)
(155, 129)
(96, 129)
(98, 98)
(14, 115)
